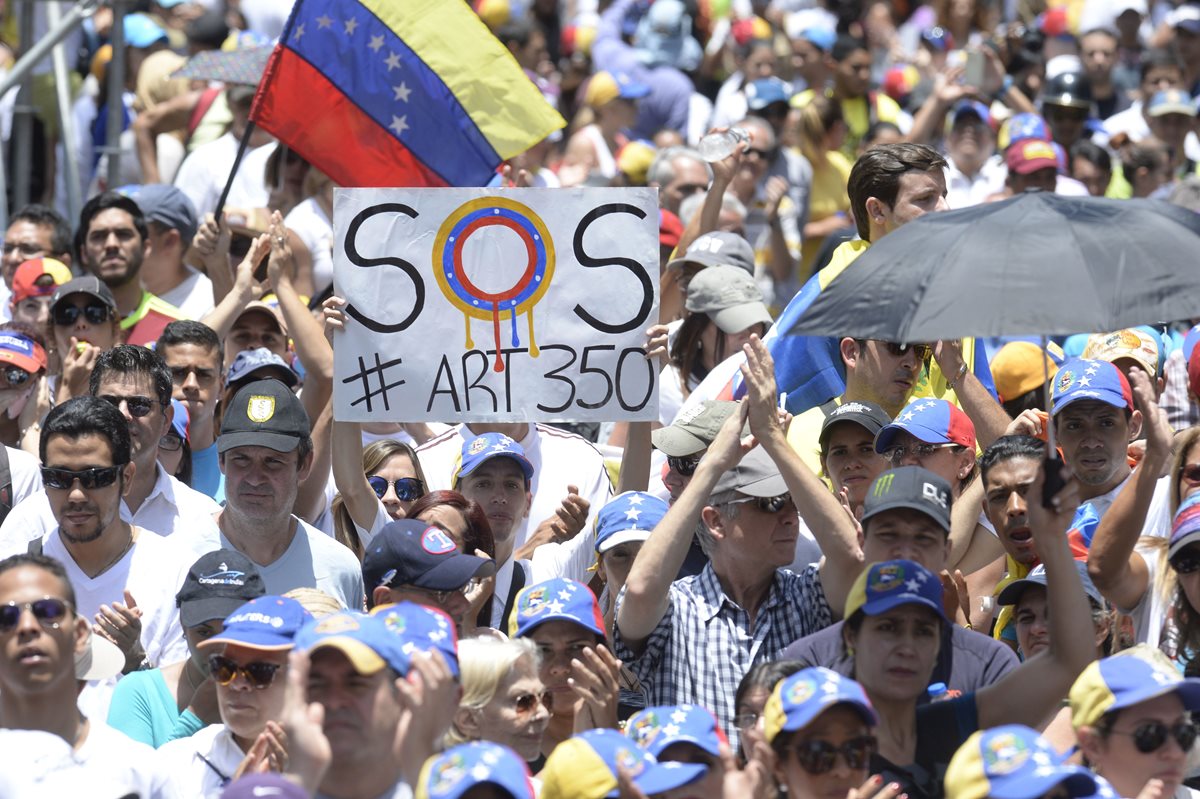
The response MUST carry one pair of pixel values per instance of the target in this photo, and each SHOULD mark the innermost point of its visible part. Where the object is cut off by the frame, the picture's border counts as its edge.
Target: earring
(850, 651)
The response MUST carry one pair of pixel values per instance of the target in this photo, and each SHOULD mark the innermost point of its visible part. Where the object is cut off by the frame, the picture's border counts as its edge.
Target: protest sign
(495, 305)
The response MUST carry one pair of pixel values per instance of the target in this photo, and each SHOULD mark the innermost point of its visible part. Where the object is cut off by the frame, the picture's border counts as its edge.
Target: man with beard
(112, 241)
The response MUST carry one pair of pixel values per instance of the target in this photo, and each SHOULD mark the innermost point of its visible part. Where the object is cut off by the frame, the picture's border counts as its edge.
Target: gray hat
(89, 285)
(169, 207)
(1012, 592)
(693, 430)
(756, 476)
(729, 297)
(864, 414)
(910, 487)
(718, 249)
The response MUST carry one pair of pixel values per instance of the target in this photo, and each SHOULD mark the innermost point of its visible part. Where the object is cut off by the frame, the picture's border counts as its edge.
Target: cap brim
(770, 486)
(269, 370)
(1173, 108)
(94, 295)
(532, 624)
(198, 611)
(22, 361)
(1188, 691)
(265, 642)
(886, 603)
(887, 435)
(739, 317)
(454, 572)
(676, 442)
(1184, 540)
(364, 659)
(1105, 397)
(621, 537)
(910, 505)
(107, 660)
(703, 259)
(862, 420)
(661, 742)
(280, 442)
(1078, 781)
(804, 715)
(526, 466)
(1029, 167)
(1013, 592)
(665, 777)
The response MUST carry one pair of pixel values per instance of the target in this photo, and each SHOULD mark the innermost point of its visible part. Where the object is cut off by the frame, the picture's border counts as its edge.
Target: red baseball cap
(670, 229)
(1030, 156)
(38, 277)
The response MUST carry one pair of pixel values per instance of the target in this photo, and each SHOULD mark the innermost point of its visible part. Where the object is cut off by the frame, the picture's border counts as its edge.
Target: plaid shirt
(702, 646)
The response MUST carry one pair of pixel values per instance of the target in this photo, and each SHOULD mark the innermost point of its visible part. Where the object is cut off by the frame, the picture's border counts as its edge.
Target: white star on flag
(908, 417)
(376, 43)
(480, 772)
(324, 21)
(500, 447)
(923, 576)
(555, 606)
(437, 635)
(490, 757)
(1085, 381)
(829, 687)
(392, 61)
(564, 595)
(636, 499)
(299, 31)
(399, 124)
(671, 730)
(402, 92)
(679, 717)
(633, 513)
(350, 25)
(913, 585)
(1091, 370)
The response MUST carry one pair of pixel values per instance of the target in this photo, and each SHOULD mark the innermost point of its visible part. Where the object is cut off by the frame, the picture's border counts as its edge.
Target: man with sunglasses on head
(43, 636)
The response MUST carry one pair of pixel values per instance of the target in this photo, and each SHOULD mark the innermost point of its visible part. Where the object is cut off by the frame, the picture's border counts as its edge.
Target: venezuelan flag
(399, 93)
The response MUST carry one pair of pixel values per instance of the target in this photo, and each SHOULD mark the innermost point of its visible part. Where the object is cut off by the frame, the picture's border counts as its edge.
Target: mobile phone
(973, 75)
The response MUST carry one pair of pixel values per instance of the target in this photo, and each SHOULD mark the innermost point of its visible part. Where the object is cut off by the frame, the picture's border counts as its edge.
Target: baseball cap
(864, 414)
(910, 487)
(1130, 677)
(797, 700)
(420, 628)
(729, 296)
(1172, 101)
(1186, 16)
(262, 786)
(823, 38)
(1012, 762)
(266, 622)
(718, 249)
(265, 363)
(1139, 344)
(971, 108)
(1030, 156)
(634, 159)
(409, 552)
(934, 421)
(629, 516)
(756, 475)
(21, 351)
(259, 306)
(216, 585)
(181, 420)
(363, 639)
(1012, 592)
(585, 767)
(101, 659)
(1185, 528)
(557, 599)
(452, 773)
(656, 728)
(38, 277)
(483, 448)
(766, 91)
(89, 285)
(1021, 366)
(170, 207)
(670, 228)
(604, 87)
(892, 583)
(1021, 127)
(264, 413)
(1083, 379)
(694, 429)
(142, 32)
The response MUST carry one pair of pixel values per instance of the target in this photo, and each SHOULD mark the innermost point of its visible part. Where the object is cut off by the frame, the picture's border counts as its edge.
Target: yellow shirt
(826, 197)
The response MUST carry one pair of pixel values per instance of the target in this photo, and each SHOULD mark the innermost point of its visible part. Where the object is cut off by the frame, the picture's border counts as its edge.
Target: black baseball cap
(89, 285)
(217, 585)
(910, 487)
(864, 414)
(409, 552)
(264, 413)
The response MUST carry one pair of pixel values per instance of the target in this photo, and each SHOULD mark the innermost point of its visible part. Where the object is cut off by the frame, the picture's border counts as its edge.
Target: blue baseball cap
(892, 583)
(167, 205)
(460, 768)
(142, 32)
(1012, 762)
(1082, 379)
(629, 516)
(558, 599)
(1133, 676)
(934, 421)
(180, 420)
(585, 767)
(421, 629)
(1012, 592)
(766, 91)
(409, 552)
(364, 640)
(821, 36)
(971, 107)
(263, 363)
(656, 728)
(1185, 527)
(483, 448)
(800, 698)
(1024, 126)
(267, 622)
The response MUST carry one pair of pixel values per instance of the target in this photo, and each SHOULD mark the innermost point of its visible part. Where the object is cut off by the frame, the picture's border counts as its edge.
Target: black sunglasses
(407, 488)
(818, 757)
(1190, 472)
(89, 479)
(685, 465)
(259, 674)
(138, 406)
(766, 504)
(94, 313)
(923, 351)
(16, 376)
(1187, 561)
(1151, 736)
(49, 612)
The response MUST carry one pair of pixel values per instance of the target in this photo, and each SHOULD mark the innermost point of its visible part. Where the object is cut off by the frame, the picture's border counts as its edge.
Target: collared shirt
(201, 766)
(963, 190)
(702, 647)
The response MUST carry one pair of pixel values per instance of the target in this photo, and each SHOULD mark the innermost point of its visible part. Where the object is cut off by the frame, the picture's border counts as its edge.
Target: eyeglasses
(407, 488)
(685, 465)
(259, 674)
(89, 479)
(923, 351)
(15, 375)
(528, 703)
(138, 406)
(171, 443)
(439, 597)
(1190, 473)
(49, 612)
(27, 251)
(895, 455)
(762, 155)
(745, 720)
(94, 313)
(1151, 736)
(817, 757)
(766, 504)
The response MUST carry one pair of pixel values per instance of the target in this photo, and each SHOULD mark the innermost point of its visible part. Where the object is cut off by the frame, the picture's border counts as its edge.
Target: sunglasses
(49, 612)
(762, 155)
(817, 757)
(16, 376)
(1151, 736)
(407, 488)
(95, 314)
(89, 479)
(138, 406)
(895, 455)
(685, 465)
(1190, 473)
(923, 351)
(766, 504)
(528, 703)
(1187, 561)
(259, 673)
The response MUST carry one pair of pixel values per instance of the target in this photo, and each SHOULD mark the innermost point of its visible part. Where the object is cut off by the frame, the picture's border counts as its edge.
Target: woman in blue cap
(1014, 762)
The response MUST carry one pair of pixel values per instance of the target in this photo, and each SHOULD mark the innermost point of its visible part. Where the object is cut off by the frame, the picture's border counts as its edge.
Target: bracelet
(962, 370)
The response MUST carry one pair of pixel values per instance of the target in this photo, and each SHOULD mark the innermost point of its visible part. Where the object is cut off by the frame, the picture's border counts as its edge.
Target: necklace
(121, 554)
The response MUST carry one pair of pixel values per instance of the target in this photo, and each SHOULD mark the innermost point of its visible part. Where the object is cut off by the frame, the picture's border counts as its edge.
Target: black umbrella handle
(1053, 482)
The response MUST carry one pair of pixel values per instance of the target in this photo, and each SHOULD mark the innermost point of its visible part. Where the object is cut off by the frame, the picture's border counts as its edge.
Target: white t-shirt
(559, 459)
(315, 229)
(188, 775)
(172, 509)
(203, 173)
(152, 571)
(194, 296)
(113, 756)
(25, 470)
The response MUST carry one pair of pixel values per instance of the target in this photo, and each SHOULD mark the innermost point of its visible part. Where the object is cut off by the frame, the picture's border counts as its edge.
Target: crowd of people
(212, 587)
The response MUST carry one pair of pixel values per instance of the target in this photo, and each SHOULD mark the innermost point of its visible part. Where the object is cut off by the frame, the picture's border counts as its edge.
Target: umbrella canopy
(243, 66)
(1036, 264)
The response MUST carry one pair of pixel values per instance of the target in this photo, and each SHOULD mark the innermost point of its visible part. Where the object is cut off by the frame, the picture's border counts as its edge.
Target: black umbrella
(1037, 264)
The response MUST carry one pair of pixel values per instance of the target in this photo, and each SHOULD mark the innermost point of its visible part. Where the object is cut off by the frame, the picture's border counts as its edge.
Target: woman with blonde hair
(820, 131)
(503, 699)
(376, 484)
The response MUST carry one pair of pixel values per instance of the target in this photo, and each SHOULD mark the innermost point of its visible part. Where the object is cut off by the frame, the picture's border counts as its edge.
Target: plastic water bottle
(938, 692)
(720, 145)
